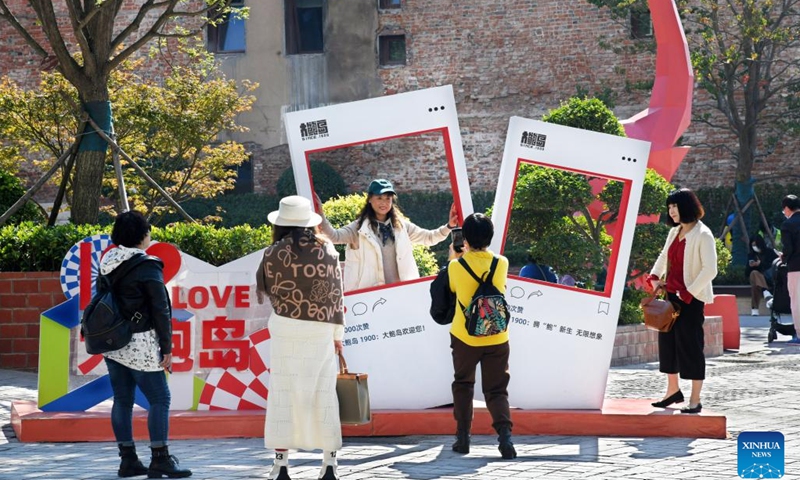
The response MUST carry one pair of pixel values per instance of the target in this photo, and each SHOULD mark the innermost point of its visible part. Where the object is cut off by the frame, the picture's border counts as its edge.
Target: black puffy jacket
(142, 290)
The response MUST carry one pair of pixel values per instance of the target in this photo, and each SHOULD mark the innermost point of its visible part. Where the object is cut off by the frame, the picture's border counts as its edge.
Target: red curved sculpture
(669, 113)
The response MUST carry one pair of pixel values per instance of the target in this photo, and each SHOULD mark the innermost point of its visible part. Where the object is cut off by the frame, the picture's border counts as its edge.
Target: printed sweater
(303, 283)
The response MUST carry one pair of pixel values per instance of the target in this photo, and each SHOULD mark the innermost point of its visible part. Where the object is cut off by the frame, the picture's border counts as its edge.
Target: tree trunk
(88, 181)
(90, 160)
(739, 247)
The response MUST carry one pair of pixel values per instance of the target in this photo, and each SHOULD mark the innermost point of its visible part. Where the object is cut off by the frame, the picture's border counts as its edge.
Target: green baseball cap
(380, 186)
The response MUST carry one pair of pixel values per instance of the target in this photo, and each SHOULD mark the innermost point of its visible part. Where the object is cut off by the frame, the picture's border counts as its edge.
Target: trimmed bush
(229, 210)
(327, 181)
(11, 190)
(630, 313)
(215, 245)
(716, 200)
(586, 113)
(30, 247)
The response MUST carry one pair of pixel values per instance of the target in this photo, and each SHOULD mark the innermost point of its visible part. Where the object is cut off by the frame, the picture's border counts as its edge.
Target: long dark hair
(368, 213)
(301, 236)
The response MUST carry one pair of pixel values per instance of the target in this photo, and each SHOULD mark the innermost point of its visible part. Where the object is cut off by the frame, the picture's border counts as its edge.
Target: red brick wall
(636, 344)
(23, 296)
(524, 57)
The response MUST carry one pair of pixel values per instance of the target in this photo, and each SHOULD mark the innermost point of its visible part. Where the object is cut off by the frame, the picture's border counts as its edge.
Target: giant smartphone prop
(389, 333)
(562, 334)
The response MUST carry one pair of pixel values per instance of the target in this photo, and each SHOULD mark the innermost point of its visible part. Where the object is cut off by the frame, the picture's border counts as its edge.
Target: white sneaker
(754, 312)
(769, 303)
(767, 294)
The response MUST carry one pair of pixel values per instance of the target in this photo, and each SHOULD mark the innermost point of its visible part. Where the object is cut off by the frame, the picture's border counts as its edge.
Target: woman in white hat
(300, 274)
(380, 241)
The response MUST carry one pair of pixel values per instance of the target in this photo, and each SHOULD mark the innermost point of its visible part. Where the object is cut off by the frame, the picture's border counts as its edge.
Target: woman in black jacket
(142, 297)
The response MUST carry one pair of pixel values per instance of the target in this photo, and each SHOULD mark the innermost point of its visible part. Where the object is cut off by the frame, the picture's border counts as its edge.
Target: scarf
(386, 232)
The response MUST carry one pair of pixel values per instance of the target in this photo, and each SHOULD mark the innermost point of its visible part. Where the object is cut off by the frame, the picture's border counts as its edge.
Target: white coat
(699, 261)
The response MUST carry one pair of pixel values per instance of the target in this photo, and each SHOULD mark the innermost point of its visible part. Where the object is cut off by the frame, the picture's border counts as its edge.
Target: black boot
(461, 444)
(130, 466)
(506, 447)
(164, 464)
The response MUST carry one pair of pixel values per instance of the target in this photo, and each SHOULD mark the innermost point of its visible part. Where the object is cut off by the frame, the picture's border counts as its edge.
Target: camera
(458, 239)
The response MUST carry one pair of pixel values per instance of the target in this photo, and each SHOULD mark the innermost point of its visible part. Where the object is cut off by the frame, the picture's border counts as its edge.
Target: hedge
(29, 247)
(715, 201)
(229, 210)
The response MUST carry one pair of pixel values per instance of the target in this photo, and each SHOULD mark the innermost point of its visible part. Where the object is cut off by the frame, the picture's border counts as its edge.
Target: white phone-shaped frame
(390, 334)
(561, 337)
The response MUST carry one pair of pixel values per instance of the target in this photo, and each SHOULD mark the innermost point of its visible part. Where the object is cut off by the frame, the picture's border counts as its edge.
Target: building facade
(516, 57)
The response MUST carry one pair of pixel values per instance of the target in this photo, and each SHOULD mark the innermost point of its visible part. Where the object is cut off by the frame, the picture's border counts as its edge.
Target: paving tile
(755, 389)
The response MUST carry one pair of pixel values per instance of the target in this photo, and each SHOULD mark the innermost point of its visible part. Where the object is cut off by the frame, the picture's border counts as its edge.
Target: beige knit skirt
(302, 407)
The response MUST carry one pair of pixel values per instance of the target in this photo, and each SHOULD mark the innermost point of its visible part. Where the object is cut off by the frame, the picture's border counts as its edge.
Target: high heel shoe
(676, 397)
(690, 409)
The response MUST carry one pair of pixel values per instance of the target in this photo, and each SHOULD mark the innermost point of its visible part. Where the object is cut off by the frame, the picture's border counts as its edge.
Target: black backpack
(103, 327)
(487, 313)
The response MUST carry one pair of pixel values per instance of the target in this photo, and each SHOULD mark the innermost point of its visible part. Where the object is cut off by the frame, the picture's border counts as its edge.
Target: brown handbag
(353, 393)
(659, 314)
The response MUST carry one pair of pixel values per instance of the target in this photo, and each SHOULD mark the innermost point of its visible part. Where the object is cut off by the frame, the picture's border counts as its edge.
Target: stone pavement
(756, 388)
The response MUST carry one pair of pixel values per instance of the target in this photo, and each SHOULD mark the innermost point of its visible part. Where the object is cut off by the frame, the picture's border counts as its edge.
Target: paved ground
(756, 388)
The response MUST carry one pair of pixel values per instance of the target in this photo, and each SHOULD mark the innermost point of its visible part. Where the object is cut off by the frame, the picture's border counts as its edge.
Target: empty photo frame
(389, 332)
(564, 180)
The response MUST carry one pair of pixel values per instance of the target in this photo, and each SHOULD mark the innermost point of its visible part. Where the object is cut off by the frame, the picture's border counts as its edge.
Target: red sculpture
(668, 115)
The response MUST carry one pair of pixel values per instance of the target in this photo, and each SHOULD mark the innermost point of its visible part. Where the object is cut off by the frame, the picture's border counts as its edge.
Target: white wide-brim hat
(294, 211)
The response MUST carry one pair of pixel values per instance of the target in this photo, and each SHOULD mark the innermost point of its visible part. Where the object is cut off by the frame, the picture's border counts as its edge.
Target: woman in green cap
(380, 241)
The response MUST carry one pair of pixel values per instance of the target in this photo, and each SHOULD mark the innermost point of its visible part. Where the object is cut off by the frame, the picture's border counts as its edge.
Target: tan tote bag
(353, 393)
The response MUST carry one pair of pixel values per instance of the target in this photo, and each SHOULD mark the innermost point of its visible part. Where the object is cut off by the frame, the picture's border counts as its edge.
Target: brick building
(517, 57)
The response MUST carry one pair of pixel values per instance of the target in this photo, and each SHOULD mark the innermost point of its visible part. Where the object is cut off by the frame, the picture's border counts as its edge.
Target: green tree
(577, 239)
(105, 35)
(744, 53)
(170, 129)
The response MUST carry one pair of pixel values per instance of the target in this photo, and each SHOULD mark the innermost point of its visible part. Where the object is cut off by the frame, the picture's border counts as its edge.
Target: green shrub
(630, 313)
(327, 181)
(212, 244)
(716, 203)
(30, 247)
(232, 210)
(586, 113)
(430, 210)
(11, 190)
(426, 261)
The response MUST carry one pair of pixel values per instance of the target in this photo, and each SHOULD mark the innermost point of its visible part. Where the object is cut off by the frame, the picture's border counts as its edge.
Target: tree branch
(47, 17)
(12, 20)
(146, 37)
(75, 17)
(137, 21)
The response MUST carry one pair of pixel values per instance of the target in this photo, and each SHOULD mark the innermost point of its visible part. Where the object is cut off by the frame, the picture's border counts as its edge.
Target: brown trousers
(495, 377)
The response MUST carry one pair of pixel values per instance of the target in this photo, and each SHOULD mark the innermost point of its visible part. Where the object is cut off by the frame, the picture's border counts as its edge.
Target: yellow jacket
(464, 286)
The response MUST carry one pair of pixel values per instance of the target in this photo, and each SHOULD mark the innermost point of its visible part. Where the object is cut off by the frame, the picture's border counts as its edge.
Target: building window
(392, 49)
(389, 4)
(641, 25)
(304, 24)
(228, 34)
